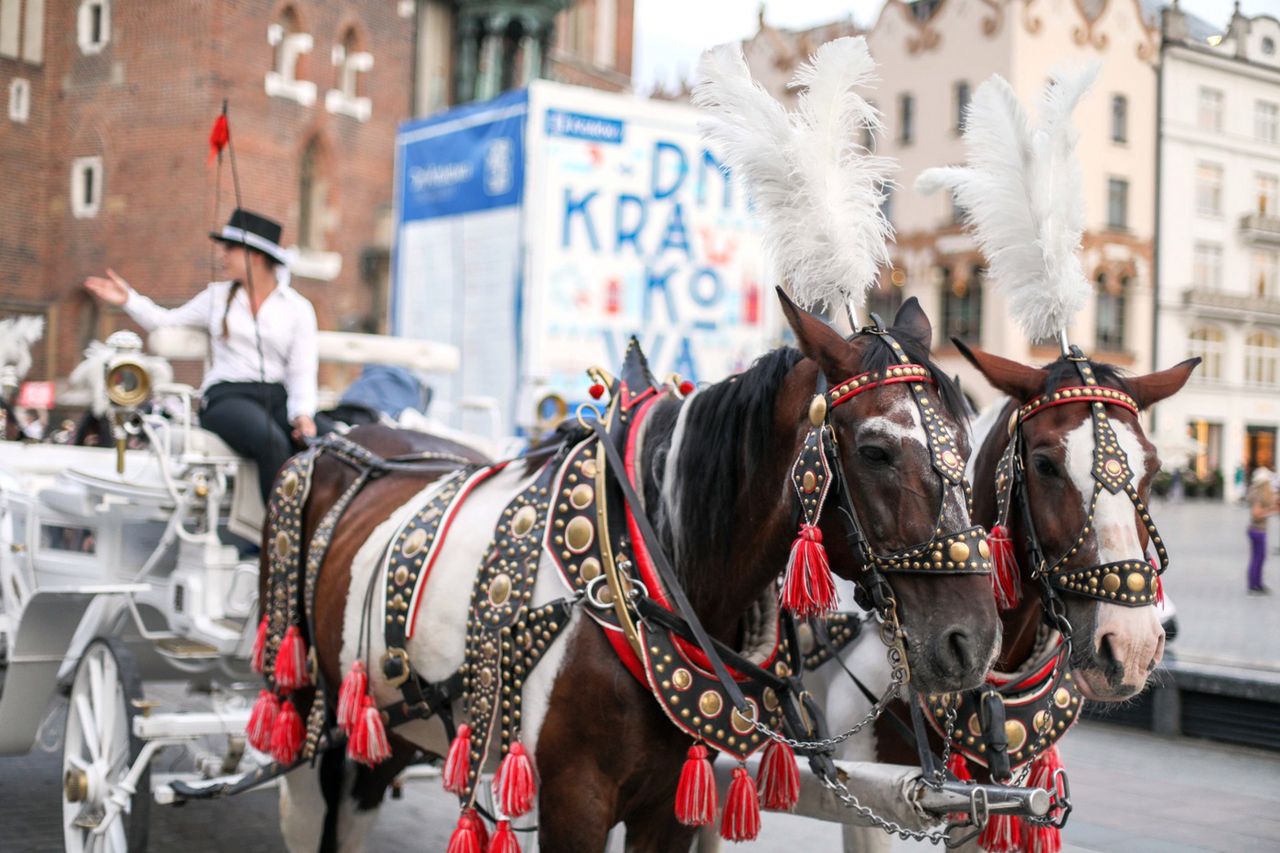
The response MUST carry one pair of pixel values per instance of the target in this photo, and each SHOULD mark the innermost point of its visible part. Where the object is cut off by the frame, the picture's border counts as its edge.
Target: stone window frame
(345, 98)
(82, 207)
(1262, 358)
(19, 100)
(84, 26)
(1207, 342)
(282, 80)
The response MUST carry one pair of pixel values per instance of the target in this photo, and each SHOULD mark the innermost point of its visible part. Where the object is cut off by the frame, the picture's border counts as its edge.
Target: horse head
(1077, 510)
(901, 521)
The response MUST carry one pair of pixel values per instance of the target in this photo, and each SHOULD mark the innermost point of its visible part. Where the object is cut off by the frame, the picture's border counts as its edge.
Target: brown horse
(713, 472)
(1115, 648)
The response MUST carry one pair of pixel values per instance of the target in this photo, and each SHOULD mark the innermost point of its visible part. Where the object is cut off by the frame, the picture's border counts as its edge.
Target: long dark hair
(272, 263)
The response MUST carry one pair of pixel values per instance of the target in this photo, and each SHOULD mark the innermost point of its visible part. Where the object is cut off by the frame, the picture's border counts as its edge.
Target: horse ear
(1010, 377)
(817, 340)
(1154, 387)
(912, 320)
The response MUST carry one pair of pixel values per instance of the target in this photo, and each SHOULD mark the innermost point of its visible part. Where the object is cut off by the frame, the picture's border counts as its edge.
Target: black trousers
(252, 419)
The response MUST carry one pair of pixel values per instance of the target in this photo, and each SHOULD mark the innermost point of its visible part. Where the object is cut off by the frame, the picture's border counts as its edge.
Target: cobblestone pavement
(1132, 791)
(1218, 621)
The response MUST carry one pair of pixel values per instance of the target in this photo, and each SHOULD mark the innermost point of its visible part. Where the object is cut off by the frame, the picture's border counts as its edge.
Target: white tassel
(1022, 192)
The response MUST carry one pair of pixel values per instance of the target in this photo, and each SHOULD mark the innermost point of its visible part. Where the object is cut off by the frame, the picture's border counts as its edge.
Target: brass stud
(522, 522)
(710, 703)
(959, 552)
(1016, 734)
(414, 542)
(283, 545)
(579, 534)
(401, 576)
(1062, 697)
(500, 590)
(590, 568)
(741, 724)
(1042, 721)
(581, 496)
(810, 482)
(1111, 583)
(682, 678)
(290, 484)
(1136, 582)
(984, 550)
(589, 468)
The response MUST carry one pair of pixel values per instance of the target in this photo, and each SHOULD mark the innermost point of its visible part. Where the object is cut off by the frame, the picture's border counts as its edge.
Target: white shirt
(286, 321)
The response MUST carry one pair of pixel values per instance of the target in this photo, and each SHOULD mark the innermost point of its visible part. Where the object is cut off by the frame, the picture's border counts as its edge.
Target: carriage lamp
(128, 383)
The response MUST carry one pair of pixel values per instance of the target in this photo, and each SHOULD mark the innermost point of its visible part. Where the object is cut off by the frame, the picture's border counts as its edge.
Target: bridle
(817, 472)
(1129, 583)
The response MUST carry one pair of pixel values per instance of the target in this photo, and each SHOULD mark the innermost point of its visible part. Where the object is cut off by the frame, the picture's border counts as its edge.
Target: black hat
(246, 228)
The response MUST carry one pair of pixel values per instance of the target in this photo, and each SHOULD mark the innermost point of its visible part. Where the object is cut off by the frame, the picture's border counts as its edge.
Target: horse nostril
(1108, 661)
(956, 650)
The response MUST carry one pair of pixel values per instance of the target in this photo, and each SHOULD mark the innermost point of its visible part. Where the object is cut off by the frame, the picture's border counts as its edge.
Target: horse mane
(700, 454)
(1063, 374)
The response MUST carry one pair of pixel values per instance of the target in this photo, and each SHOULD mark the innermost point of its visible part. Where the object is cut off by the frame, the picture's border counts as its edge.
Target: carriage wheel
(98, 749)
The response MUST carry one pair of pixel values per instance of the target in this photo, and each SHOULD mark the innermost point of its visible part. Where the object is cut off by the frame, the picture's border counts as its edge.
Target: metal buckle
(402, 657)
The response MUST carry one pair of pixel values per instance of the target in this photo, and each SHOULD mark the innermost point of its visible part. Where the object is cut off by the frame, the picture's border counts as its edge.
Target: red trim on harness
(1091, 394)
(650, 577)
(454, 508)
(1028, 679)
(888, 380)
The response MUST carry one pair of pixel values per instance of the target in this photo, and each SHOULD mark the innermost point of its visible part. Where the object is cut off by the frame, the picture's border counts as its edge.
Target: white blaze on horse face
(1134, 633)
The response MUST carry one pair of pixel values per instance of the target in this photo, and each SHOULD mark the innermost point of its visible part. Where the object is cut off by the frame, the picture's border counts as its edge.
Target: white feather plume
(816, 189)
(1023, 196)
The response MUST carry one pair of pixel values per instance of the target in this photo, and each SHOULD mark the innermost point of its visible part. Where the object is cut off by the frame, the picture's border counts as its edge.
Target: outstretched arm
(114, 290)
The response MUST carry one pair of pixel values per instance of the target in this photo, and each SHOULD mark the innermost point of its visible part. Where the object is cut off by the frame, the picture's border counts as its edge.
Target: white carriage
(117, 573)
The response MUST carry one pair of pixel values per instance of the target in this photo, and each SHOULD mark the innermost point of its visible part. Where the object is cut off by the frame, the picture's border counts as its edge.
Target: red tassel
(1006, 580)
(219, 136)
(1159, 583)
(696, 794)
(354, 686)
(367, 743)
(686, 388)
(514, 786)
(260, 645)
(457, 764)
(469, 836)
(286, 734)
(291, 661)
(742, 809)
(959, 767)
(262, 720)
(807, 589)
(504, 839)
(779, 777)
(596, 391)
(1003, 834)
(1042, 839)
(1038, 838)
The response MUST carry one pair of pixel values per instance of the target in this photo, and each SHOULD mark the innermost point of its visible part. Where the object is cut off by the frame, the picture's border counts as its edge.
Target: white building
(932, 55)
(1219, 238)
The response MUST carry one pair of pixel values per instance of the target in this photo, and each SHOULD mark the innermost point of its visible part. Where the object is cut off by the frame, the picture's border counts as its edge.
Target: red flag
(218, 137)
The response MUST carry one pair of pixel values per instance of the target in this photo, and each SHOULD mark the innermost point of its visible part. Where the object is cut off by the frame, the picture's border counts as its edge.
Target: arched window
(1205, 342)
(962, 303)
(1261, 354)
(349, 62)
(290, 45)
(312, 189)
(1110, 316)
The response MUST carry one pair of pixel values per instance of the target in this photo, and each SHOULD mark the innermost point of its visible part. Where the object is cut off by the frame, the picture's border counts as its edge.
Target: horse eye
(1045, 467)
(874, 455)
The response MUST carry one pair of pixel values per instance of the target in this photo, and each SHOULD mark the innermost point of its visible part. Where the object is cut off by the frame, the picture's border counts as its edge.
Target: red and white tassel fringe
(470, 835)
(779, 777)
(514, 785)
(354, 686)
(367, 742)
(286, 734)
(1038, 838)
(260, 645)
(504, 839)
(741, 820)
(1006, 582)
(291, 661)
(457, 764)
(808, 589)
(696, 803)
(1002, 835)
(262, 720)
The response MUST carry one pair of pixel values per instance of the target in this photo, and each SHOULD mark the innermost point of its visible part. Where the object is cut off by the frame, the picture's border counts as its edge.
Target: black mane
(1063, 374)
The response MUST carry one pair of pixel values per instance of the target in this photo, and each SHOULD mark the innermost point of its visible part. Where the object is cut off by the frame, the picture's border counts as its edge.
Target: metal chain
(935, 836)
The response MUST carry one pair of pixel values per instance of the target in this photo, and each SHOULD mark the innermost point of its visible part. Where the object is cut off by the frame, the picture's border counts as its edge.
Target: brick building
(103, 152)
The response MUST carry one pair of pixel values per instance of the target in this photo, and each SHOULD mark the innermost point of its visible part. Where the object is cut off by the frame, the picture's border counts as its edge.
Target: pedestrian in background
(1262, 505)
